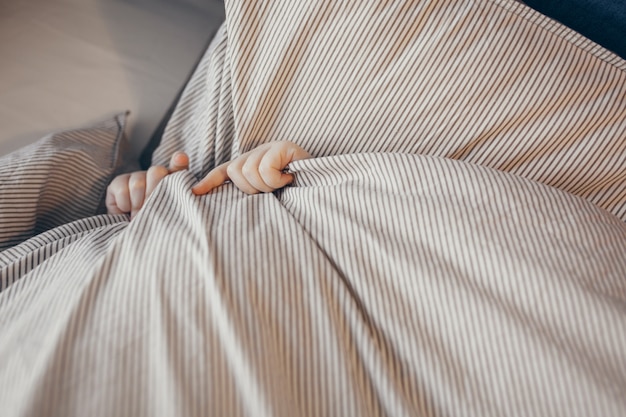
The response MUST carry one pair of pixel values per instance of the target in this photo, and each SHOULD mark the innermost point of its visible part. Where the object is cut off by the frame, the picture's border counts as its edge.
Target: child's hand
(260, 170)
(127, 192)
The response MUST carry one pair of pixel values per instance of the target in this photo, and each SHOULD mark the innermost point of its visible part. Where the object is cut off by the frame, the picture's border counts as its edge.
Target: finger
(250, 171)
(179, 162)
(111, 204)
(235, 173)
(291, 152)
(276, 160)
(153, 177)
(218, 176)
(275, 179)
(213, 179)
(118, 195)
(137, 186)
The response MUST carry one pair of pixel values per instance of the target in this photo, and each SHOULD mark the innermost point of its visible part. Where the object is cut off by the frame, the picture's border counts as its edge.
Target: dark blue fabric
(603, 21)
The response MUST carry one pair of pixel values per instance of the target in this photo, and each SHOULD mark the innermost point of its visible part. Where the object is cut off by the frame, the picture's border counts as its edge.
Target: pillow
(59, 179)
(489, 82)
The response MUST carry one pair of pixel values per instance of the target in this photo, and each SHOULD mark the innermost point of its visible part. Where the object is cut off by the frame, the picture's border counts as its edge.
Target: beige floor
(69, 63)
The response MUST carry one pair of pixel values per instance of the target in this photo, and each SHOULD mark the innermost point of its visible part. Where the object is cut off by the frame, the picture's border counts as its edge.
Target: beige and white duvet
(435, 259)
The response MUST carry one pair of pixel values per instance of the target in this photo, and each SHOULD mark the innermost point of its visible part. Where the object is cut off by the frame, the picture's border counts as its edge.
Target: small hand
(260, 170)
(128, 192)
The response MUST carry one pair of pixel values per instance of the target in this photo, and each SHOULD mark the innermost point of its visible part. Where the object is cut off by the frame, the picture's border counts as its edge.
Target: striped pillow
(59, 179)
(490, 82)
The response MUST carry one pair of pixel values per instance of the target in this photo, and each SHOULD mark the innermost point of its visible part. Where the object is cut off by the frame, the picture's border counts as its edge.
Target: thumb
(179, 162)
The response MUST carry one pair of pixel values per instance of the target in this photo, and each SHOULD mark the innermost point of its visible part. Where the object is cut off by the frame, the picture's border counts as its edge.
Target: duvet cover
(456, 247)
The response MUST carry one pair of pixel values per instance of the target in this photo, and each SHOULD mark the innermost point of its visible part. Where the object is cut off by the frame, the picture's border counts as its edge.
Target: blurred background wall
(69, 63)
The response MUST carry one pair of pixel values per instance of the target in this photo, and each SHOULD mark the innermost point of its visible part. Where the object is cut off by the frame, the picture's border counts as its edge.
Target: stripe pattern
(59, 179)
(378, 285)
(385, 282)
(490, 82)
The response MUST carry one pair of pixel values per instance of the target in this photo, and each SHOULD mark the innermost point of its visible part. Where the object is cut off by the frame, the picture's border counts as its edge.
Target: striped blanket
(431, 263)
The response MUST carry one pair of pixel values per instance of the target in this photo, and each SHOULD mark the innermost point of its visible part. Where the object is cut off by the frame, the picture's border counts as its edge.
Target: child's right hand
(257, 171)
(127, 192)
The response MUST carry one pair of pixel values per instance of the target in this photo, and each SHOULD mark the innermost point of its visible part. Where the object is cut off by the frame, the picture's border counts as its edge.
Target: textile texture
(59, 179)
(455, 248)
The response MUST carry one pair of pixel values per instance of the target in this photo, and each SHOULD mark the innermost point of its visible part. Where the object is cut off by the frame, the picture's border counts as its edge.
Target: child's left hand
(260, 170)
(127, 192)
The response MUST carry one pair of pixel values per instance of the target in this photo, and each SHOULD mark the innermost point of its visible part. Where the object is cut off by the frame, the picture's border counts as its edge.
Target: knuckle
(232, 169)
(269, 175)
(248, 170)
(137, 183)
(284, 144)
(115, 189)
(157, 171)
(119, 181)
(265, 167)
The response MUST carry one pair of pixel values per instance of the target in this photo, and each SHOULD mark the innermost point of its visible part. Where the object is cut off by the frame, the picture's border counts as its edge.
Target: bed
(455, 247)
